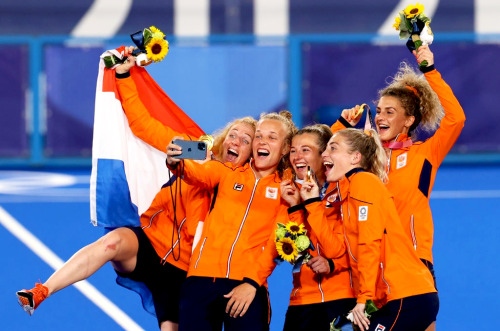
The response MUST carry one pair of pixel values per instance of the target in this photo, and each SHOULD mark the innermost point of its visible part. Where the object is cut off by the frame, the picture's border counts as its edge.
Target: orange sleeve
(337, 126)
(197, 206)
(341, 264)
(205, 175)
(367, 211)
(330, 237)
(142, 124)
(452, 123)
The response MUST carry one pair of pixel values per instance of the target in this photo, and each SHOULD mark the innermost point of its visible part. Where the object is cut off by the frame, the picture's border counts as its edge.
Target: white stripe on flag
(103, 19)
(191, 17)
(55, 262)
(271, 17)
(486, 14)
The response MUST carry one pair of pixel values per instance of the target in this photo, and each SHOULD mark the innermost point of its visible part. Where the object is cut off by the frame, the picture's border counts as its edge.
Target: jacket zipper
(241, 227)
(151, 219)
(177, 241)
(320, 278)
(387, 284)
(345, 233)
(413, 235)
(199, 255)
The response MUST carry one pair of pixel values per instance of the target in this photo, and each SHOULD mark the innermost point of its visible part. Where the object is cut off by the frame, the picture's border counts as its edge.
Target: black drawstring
(173, 195)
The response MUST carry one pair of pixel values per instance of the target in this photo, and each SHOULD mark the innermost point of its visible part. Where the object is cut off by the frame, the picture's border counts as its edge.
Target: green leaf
(423, 18)
(370, 307)
(110, 61)
(281, 225)
(404, 34)
(147, 34)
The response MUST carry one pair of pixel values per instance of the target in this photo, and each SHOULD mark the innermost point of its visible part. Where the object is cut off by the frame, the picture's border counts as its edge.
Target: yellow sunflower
(156, 49)
(397, 23)
(414, 10)
(287, 249)
(156, 32)
(294, 228)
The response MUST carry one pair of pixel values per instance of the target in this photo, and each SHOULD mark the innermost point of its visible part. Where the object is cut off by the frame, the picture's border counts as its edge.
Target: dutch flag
(126, 172)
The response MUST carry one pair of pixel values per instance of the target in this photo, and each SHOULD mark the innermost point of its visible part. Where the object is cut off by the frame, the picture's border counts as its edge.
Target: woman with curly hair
(409, 103)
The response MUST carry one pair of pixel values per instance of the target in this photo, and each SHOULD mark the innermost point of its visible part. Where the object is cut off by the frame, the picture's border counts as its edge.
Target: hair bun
(286, 114)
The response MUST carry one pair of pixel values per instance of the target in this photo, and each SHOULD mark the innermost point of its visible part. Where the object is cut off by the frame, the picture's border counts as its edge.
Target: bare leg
(431, 327)
(169, 326)
(119, 246)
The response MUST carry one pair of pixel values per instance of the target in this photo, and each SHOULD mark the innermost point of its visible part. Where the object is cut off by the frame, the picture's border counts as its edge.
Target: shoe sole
(26, 307)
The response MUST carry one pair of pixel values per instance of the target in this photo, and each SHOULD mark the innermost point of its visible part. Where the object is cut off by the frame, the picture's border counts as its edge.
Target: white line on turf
(88, 290)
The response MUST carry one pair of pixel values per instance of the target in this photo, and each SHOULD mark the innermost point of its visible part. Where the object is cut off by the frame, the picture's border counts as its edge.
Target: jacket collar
(353, 171)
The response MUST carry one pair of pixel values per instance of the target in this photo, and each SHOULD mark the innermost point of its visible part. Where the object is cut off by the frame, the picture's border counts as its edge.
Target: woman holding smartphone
(236, 230)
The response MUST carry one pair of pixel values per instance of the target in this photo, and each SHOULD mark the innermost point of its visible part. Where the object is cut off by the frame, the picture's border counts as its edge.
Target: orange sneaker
(31, 299)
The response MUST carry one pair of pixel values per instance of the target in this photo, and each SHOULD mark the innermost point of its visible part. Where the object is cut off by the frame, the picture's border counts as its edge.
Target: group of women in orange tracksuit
(365, 208)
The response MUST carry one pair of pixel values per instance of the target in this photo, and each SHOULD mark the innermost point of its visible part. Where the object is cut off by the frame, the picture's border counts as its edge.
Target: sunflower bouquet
(293, 244)
(151, 46)
(414, 25)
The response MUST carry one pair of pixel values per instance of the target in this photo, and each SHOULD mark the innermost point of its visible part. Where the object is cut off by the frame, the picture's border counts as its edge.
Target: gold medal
(209, 140)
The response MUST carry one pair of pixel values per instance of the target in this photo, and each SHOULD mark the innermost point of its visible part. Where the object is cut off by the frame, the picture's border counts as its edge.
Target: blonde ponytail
(367, 143)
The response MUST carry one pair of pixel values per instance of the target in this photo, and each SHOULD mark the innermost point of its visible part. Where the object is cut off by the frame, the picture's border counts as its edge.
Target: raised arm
(142, 124)
(454, 117)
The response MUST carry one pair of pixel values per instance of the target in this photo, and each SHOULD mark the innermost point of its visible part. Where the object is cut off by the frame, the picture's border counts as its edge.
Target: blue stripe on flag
(113, 204)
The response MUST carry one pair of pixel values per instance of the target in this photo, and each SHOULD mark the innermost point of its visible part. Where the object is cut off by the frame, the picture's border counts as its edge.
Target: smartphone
(192, 149)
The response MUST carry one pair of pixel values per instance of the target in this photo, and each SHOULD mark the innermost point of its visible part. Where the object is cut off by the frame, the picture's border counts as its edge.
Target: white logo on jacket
(401, 160)
(272, 192)
(380, 327)
(363, 213)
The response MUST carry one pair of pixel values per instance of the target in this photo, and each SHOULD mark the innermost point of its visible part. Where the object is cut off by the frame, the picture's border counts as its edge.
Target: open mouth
(328, 166)
(382, 128)
(231, 155)
(261, 152)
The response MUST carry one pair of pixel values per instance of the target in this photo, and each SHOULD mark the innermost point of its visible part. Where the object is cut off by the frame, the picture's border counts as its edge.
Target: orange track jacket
(384, 264)
(238, 227)
(412, 170)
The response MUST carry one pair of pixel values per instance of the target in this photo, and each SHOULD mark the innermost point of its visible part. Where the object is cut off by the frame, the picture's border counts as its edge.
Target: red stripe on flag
(158, 103)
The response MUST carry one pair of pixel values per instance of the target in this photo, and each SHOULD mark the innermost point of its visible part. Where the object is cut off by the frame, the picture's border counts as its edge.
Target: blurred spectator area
(234, 58)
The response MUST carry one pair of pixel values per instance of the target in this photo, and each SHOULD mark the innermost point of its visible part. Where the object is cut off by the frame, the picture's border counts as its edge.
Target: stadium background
(232, 58)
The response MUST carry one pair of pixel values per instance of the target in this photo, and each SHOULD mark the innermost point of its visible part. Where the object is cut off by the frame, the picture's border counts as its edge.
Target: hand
(240, 299)
(125, 67)
(360, 319)
(289, 192)
(309, 190)
(424, 54)
(172, 151)
(351, 115)
(319, 265)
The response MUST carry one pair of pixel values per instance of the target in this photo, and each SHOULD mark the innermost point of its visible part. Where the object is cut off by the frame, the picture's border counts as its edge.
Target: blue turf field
(54, 207)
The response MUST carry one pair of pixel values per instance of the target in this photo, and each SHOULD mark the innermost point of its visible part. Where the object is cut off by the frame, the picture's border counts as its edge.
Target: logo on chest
(238, 187)
(380, 327)
(401, 160)
(272, 193)
(332, 199)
